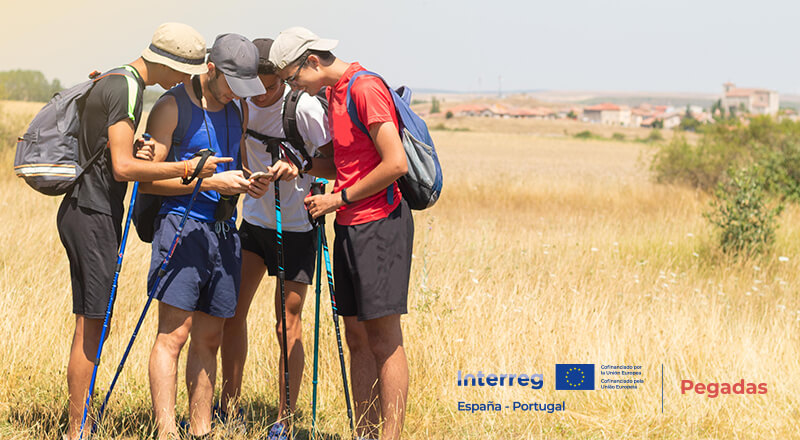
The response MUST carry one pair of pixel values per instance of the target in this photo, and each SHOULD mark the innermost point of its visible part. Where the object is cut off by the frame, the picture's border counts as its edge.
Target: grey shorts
(203, 273)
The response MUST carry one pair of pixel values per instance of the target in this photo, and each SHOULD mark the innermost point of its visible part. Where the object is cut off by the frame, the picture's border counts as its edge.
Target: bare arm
(160, 125)
(392, 166)
(125, 166)
(324, 166)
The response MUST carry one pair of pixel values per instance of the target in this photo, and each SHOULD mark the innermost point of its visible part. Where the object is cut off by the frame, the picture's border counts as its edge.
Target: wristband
(185, 169)
(344, 196)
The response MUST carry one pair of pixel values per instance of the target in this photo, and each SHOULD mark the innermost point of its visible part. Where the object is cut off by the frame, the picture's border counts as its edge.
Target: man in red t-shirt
(374, 227)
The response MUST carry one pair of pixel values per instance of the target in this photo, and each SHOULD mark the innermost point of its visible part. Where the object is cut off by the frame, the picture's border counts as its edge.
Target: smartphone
(259, 174)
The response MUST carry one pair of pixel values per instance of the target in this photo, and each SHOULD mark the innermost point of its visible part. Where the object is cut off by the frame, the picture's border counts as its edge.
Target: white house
(753, 101)
(609, 114)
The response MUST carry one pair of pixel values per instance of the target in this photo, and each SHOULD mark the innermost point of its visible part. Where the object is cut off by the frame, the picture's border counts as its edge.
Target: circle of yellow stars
(583, 377)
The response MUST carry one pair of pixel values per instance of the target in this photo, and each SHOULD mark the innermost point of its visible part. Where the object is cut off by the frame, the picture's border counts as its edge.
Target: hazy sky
(630, 45)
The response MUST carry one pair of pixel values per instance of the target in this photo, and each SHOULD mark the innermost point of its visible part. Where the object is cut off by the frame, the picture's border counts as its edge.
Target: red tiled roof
(743, 93)
(601, 107)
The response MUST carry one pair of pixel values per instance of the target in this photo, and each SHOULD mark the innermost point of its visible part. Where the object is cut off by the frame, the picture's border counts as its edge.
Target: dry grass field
(542, 250)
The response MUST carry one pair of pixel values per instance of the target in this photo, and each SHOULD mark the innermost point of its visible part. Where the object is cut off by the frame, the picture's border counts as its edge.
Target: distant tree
(658, 123)
(28, 85)
(717, 111)
(448, 115)
(572, 115)
(689, 122)
(435, 105)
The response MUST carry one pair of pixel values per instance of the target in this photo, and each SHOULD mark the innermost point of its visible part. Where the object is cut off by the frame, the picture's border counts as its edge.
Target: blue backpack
(422, 185)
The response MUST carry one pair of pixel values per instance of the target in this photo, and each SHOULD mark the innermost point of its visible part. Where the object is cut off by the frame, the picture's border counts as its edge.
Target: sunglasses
(290, 80)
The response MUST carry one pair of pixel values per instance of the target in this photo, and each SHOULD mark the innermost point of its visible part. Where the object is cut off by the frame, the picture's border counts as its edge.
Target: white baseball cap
(293, 42)
(179, 47)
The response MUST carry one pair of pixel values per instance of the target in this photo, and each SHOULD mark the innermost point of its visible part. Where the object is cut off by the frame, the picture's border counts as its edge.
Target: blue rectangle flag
(574, 376)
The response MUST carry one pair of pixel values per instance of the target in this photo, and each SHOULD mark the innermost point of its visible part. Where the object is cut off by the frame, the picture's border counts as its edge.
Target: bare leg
(79, 370)
(234, 337)
(386, 342)
(173, 330)
(201, 369)
(363, 377)
(295, 297)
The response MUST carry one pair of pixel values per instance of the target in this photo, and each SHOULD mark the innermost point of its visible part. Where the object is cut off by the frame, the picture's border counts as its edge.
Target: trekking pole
(282, 281)
(110, 307)
(335, 313)
(318, 187)
(161, 272)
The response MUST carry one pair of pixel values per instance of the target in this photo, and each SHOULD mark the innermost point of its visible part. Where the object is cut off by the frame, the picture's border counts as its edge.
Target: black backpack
(290, 131)
(47, 155)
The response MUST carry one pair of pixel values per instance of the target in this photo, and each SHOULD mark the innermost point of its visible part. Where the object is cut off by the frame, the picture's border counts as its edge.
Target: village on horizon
(732, 102)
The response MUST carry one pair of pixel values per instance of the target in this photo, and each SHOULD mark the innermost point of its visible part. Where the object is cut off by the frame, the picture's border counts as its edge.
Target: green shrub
(448, 115)
(654, 136)
(618, 137)
(585, 134)
(742, 215)
(441, 127)
(772, 146)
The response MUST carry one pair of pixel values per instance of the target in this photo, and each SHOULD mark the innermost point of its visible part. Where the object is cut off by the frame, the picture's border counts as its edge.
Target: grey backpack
(47, 154)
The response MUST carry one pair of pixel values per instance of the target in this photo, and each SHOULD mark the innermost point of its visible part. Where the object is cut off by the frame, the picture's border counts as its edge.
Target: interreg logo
(574, 376)
(535, 381)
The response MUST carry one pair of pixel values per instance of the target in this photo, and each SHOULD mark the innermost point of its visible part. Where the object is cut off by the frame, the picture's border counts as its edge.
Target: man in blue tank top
(200, 288)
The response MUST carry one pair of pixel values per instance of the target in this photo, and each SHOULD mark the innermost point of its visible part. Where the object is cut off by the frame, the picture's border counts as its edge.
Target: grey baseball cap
(237, 58)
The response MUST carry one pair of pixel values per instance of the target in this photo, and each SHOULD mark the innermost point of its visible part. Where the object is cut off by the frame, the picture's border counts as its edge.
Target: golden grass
(541, 251)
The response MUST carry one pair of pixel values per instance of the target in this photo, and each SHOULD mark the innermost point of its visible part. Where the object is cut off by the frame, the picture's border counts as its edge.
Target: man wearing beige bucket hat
(90, 216)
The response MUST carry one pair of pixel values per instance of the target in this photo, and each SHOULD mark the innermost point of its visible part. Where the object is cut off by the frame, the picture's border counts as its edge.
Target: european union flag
(574, 376)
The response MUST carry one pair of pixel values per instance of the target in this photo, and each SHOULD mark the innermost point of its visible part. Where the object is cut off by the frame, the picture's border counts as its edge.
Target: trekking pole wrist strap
(204, 155)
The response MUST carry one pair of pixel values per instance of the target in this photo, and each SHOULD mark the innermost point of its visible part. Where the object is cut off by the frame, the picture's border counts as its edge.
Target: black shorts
(372, 264)
(299, 250)
(92, 240)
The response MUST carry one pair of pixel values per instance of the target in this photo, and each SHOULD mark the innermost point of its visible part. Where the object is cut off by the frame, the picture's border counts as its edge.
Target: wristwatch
(344, 196)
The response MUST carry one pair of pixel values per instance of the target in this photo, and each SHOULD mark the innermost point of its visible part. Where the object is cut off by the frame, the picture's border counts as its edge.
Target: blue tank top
(224, 127)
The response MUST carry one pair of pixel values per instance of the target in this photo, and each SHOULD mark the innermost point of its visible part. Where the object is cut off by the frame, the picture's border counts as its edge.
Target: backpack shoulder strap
(290, 130)
(133, 87)
(351, 107)
(353, 113)
(184, 115)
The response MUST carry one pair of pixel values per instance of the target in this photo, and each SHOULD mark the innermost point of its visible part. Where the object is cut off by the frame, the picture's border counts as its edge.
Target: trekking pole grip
(204, 155)
(318, 188)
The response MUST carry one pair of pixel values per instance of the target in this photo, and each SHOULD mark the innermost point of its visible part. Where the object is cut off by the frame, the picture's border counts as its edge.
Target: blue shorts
(203, 273)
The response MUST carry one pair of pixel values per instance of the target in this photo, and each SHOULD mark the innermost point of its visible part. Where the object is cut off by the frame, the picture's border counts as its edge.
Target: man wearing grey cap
(200, 287)
(90, 216)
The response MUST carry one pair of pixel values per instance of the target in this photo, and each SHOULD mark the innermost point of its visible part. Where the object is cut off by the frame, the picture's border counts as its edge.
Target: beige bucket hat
(178, 46)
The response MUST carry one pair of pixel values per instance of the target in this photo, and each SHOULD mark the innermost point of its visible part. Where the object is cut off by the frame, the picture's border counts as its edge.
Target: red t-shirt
(354, 152)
